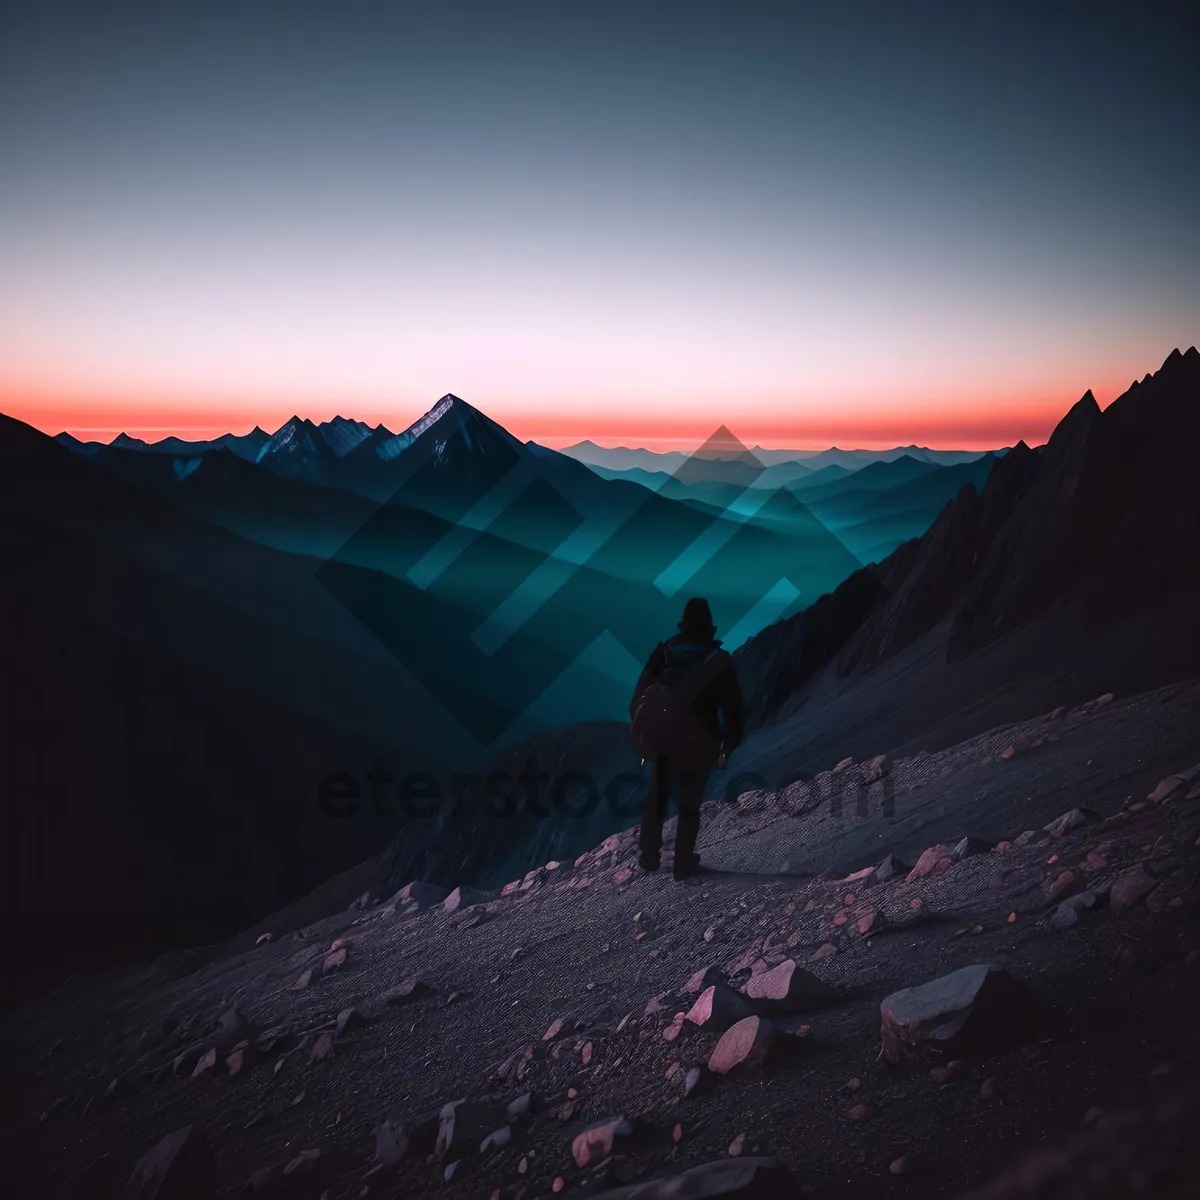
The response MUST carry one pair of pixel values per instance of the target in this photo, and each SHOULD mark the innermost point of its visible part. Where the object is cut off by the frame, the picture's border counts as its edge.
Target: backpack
(664, 723)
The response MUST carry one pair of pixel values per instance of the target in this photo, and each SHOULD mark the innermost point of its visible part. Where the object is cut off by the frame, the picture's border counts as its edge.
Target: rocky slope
(1081, 540)
(754, 1027)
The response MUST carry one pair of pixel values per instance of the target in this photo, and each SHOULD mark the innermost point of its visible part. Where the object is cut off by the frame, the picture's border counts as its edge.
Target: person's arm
(733, 711)
(650, 672)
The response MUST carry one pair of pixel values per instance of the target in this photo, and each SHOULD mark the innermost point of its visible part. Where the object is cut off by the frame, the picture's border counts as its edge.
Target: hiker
(686, 717)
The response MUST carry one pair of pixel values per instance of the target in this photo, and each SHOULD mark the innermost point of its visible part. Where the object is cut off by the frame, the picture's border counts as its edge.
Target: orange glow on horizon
(985, 422)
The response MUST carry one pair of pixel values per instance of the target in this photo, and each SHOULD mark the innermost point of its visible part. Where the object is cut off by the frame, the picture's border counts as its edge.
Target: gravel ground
(593, 942)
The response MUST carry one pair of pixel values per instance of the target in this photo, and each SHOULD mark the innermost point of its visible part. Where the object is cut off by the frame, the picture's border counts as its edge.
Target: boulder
(1069, 911)
(1130, 887)
(969, 1008)
(1166, 787)
(1073, 819)
(739, 1178)
(702, 979)
(404, 992)
(936, 858)
(890, 868)
(718, 1007)
(391, 1143)
(601, 1141)
(422, 895)
(746, 1047)
(181, 1167)
(789, 988)
(968, 847)
(464, 1124)
(875, 768)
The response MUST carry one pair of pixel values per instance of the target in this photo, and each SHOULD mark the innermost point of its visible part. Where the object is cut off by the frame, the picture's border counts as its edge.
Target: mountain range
(213, 629)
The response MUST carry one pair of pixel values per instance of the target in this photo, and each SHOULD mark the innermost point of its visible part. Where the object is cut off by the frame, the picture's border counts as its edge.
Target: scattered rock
(404, 992)
(496, 1140)
(745, 1047)
(890, 868)
(718, 1007)
(901, 1166)
(205, 1062)
(859, 1112)
(987, 1089)
(348, 1019)
(180, 1167)
(422, 895)
(391, 1143)
(702, 979)
(464, 1124)
(1068, 912)
(823, 951)
(1130, 887)
(968, 847)
(601, 1141)
(1166, 787)
(870, 922)
(976, 1005)
(1061, 886)
(936, 858)
(789, 988)
(1072, 819)
(333, 960)
(736, 1146)
(322, 1048)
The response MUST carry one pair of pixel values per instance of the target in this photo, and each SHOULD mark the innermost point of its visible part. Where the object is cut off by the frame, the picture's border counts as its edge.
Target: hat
(697, 618)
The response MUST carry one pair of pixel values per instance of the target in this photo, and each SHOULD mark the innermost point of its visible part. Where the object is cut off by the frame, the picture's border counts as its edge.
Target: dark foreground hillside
(569, 1035)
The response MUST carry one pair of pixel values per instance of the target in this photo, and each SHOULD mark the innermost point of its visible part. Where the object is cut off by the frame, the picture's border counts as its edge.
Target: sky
(631, 221)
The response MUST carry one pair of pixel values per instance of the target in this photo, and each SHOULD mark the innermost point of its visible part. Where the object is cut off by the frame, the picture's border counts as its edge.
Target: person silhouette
(687, 716)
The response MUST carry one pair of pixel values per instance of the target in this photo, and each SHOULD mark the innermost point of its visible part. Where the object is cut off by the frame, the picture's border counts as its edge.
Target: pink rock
(1070, 820)
(860, 1112)
(1165, 788)
(235, 1061)
(303, 980)
(718, 1007)
(622, 875)
(556, 1027)
(737, 1145)
(206, 1062)
(936, 858)
(1008, 752)
(601, 1141)
(702, 979)
(453, 901)
(745, 1047)
(1130, 887)
(823, 951)
(509, 888)
(869, 922)
(322, 1048)
(790, 988)
(334, 960)
(1062, 886)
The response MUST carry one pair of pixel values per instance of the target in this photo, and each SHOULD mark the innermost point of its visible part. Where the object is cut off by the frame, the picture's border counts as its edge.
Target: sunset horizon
(988, 423)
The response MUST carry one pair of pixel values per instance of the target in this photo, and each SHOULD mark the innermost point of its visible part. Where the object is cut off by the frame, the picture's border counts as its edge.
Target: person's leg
(654, 812)
(691, 796)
